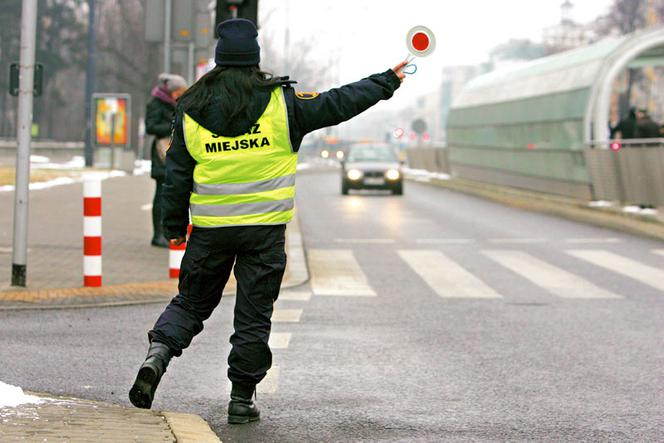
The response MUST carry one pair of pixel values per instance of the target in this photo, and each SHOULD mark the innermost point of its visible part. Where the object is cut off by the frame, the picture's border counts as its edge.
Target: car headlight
(340, 155)
(325, 153)
(354, 174)
(392, 174)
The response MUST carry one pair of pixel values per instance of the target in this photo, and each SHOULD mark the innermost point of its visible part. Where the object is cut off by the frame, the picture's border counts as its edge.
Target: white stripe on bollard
(175, 258)
(92, 265)
(91, 187)
(92, 226)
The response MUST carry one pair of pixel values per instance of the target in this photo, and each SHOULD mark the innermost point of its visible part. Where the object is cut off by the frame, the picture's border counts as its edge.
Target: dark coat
(647, 128)
(626, 127)
(306, 113)
(158, 122)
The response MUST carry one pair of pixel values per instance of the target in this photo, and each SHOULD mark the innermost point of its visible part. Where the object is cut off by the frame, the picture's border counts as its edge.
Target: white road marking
(337, 272)
(516, 240)
(658, 251)
(286, 315)
(146, 207)
(592, 240)
(648, 275)
(279, 340)
(270, 383)
(295, 295)
(445, 241)
(445, 277)
(553, 279)
(368, 241)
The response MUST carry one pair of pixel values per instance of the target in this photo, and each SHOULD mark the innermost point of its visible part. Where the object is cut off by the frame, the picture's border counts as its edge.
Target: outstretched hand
(178, 241)
(398, 70)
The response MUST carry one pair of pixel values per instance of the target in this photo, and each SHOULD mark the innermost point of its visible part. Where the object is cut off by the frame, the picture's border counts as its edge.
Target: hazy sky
(370, 35)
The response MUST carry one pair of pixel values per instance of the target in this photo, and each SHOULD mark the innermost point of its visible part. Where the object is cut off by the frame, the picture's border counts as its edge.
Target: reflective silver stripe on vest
(245, 188)
(242, 208)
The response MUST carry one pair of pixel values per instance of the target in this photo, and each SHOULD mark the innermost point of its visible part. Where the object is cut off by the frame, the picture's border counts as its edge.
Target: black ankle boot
(154, 367)
(242, 409)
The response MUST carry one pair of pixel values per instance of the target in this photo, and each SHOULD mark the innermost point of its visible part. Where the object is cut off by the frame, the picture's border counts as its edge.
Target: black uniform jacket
(307, 112)
(158, 120)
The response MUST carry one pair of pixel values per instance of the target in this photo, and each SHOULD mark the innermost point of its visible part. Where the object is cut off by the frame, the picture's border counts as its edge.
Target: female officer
(232, 164)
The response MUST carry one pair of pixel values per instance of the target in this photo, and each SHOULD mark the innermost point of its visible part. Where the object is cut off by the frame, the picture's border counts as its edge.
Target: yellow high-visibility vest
(244, 180)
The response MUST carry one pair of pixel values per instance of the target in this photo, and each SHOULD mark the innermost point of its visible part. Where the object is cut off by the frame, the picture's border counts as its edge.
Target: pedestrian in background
(233, 161)
(625, 127)
(158, 121)
(646, 127)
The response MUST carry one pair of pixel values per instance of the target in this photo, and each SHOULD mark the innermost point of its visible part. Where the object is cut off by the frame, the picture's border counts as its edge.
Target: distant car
(332, 154)
(371, 166)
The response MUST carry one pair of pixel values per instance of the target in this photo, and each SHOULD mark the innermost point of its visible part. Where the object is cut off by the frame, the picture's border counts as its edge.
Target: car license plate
(373, 181)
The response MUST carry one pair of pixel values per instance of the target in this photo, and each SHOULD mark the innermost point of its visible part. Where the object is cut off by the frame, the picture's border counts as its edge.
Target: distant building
(567, 34)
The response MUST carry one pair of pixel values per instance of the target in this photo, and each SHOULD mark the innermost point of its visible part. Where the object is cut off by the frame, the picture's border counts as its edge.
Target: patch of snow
(12, 396)
(77, 162)
(142, 167)
(39, 159)
(440, 176)
(632, 209)
(51, 183)
(101, 175)
(600, 204)
(649, 211)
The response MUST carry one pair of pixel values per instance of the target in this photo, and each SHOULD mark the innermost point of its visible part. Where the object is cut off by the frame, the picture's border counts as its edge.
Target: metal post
(167, 35)
(90, 80)
(24, 138)
(191, 71)
(113, 125)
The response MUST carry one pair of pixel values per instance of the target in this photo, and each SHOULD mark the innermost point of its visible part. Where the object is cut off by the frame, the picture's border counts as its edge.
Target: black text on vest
(237, 145)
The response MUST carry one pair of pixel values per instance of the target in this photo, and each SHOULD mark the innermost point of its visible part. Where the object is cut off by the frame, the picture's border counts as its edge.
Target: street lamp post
(24, 138)
(90, 81)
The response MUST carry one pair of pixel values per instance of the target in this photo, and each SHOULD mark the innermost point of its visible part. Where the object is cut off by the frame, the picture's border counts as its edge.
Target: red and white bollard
(175, 254)
(92, 232)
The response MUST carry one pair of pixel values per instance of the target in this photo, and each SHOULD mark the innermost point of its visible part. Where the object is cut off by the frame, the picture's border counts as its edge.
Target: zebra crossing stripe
(658, 251)
(446, 277)
(516, 240)
(553, 279)
(279, 340)
(294, 296)
(645, 274)
(286, 315)
(270, 383)
(337, 272)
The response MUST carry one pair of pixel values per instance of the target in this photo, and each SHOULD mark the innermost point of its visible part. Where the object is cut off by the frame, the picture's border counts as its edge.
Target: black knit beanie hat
(237, 44)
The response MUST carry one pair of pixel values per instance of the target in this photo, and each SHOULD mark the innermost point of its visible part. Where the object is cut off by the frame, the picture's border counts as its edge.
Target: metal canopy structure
(528, 126)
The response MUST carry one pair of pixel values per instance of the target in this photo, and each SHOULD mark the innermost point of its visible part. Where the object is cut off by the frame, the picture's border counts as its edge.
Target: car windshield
(372, 154)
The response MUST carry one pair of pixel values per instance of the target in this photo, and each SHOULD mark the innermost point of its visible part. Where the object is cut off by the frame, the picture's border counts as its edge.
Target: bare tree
(60, 48)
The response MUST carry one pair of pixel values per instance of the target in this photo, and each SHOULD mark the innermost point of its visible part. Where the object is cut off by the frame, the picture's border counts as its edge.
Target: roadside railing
(628, 171)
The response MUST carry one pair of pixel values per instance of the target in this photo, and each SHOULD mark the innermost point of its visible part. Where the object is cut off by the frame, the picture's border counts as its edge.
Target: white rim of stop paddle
(428, 33)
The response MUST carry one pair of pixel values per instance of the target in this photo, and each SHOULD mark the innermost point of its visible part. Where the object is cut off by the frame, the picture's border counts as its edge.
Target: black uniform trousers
(260, 260)
(157, 230)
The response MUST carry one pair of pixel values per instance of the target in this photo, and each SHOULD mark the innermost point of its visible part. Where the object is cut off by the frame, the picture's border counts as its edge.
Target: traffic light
(236, 8)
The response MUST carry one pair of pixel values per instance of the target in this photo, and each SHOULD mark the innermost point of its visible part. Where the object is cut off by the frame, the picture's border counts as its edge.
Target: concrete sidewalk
(133, 270)
(66, 419)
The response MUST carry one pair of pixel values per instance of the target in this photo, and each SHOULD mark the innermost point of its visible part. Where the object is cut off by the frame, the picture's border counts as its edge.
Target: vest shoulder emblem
(306, 95)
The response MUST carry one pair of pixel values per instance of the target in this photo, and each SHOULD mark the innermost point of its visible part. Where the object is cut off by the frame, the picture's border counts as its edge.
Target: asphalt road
(461, 320)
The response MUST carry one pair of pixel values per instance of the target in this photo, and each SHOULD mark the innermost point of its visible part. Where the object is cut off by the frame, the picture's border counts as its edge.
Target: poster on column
(111, 121)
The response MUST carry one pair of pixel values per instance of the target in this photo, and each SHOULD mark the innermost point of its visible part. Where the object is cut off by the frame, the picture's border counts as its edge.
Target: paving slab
(78, 420)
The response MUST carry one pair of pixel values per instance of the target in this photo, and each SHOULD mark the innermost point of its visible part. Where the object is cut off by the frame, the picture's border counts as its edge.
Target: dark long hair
(230, 88)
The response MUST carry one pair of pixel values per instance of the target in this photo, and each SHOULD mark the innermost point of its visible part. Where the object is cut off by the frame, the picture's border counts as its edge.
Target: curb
(73, 417)
(147, 292)
(554, 205)
(189, 428)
